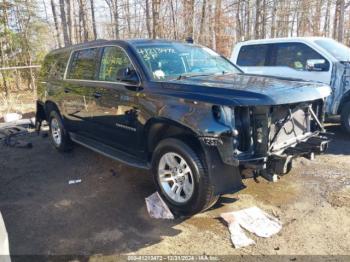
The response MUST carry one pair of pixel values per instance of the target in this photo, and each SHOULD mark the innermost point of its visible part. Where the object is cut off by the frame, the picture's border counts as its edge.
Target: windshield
(176, 60)
(336, 49)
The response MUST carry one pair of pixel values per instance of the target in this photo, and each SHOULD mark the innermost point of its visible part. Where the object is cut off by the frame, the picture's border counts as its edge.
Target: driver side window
(114, 61)
(295, 55)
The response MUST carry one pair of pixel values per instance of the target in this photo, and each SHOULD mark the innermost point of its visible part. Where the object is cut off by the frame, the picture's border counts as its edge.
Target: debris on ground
(74, 181)
(113, 172)
(252, 219)
(157, 208)
(12, 117)
(9, 137)
(4, 243)
(238, 238)
(10, 131)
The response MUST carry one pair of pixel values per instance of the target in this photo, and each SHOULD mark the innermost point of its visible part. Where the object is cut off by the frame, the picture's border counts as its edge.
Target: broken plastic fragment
(76, 181)
(157, 208)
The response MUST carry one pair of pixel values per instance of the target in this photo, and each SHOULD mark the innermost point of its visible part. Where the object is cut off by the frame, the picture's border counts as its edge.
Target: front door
(115, 108)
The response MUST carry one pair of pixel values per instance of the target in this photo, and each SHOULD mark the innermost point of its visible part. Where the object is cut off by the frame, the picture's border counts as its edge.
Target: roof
(104, 42)
(282, 39)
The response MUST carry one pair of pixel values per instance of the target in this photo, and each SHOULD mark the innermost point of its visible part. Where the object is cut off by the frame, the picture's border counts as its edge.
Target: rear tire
(58, 133)
(181, 177)
(345, 117)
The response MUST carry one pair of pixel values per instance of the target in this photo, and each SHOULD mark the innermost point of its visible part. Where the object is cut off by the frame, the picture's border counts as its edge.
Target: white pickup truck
(307, 58)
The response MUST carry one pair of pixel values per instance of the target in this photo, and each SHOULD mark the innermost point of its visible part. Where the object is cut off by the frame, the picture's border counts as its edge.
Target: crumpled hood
(247, 89)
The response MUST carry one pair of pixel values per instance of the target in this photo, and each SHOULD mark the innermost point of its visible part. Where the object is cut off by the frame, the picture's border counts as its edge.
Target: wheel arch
(158, 129)
(49, 106)
(345, 99)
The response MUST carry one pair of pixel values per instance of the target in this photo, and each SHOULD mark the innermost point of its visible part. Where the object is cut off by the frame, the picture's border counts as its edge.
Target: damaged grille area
(287, 125)
(268, 130)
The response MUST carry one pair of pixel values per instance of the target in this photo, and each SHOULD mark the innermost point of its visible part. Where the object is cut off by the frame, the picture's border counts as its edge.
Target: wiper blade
(180, 77)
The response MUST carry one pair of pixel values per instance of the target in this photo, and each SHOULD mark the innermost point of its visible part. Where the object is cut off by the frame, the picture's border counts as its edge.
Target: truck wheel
(345, 117)
(58, 134)
(182, 178)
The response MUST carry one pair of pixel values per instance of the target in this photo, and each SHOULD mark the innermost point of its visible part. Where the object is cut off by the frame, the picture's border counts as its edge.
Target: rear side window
(54, 66)
(113, 64)
(83, 65)
(294, 55)
(58, 67)
(253, 55)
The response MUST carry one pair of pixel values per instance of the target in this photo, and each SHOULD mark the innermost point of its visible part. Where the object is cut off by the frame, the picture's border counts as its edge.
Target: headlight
(224, 114)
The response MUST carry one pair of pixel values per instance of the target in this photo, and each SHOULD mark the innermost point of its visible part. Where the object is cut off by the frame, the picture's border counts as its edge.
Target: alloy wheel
(175, 177)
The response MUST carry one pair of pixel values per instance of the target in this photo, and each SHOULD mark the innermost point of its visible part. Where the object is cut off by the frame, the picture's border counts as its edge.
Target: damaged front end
(265, 139)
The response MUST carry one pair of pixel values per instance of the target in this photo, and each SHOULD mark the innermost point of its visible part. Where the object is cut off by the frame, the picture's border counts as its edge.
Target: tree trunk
(82, 18)
(201, 28)
(155, 18)
(93, 19)
(327, 19)
(173, 18)
(148, 19)
(116, 20)
(128, 19)
(238, 22)
(70, 25)
(64, 23)
(54, 14)
(257, 19)
(188, 6)
(273, 21)
(341, 21)
(218, 26)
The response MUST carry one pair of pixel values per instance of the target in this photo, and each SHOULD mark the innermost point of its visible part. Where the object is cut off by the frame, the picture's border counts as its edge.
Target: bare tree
(155, 17)
(69, 20)
(188, 6)
(64, 23)
(93, 19)
(82, 21)
(148, 19)
(54, 14)
(114, 6)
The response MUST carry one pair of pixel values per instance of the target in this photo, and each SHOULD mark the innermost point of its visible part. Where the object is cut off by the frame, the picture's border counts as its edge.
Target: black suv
(181, 110)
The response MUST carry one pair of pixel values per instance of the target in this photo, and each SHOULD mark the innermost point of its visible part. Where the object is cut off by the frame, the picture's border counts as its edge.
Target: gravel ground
(106, 215)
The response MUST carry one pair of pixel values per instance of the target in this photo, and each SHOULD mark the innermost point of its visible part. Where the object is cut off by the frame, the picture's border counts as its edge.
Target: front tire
(58, 133)
(345, 117)
(182, 178)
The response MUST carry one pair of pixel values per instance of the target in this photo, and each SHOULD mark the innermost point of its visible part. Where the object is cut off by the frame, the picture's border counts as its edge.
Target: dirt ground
(106, 214)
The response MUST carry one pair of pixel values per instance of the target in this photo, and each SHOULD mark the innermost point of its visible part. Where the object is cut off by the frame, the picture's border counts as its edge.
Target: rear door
(115, 108)
(78, 89)
(252, 59)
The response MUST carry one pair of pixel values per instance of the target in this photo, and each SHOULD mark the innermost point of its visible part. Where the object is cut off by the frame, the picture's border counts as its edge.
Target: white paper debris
(238, 238)
(157, 208)
(258, 222)
(4, 243)
(76, 181)
(252, 219)
(12, 117)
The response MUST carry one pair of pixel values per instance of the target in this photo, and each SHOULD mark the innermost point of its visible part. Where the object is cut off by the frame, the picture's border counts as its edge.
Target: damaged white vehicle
(308, 58)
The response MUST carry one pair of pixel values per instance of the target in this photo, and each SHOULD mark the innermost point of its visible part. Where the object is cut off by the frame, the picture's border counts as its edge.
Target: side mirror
(316, 65)
(128, 74)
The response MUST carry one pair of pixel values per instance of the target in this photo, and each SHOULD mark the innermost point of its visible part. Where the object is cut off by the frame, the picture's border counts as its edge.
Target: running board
(109, 151)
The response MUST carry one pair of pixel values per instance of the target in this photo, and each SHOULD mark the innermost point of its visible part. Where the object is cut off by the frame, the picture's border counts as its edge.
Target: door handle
(97, 95)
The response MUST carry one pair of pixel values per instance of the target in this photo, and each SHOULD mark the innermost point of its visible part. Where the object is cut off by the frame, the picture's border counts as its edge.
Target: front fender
(197, 120)
(197, 117)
